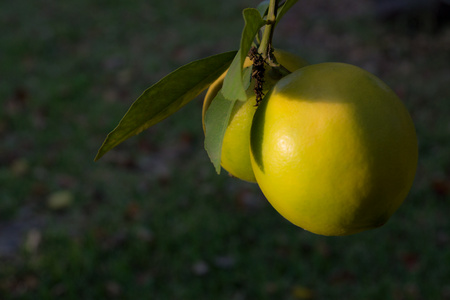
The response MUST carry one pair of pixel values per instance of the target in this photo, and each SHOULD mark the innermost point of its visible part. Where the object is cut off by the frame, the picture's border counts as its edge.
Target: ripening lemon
(333, 149)
(235, 157)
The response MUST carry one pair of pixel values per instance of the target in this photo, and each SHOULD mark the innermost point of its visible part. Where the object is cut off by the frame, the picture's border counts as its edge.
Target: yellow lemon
(333, 149)
(235, 157)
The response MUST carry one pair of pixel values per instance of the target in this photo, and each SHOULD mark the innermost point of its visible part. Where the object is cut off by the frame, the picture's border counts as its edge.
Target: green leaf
(216, 122)
(247, 77)
(283, 9)
(233, 84)
(166, 97)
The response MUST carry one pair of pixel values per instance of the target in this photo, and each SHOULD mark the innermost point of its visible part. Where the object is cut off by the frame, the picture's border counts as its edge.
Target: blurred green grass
(151, 219)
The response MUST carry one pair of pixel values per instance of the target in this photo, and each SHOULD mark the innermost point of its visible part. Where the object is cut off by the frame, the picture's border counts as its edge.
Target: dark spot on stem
(257, 73)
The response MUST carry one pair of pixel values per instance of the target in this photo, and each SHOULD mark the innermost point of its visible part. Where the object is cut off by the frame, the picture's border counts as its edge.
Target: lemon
(333, 149)
(235, 157)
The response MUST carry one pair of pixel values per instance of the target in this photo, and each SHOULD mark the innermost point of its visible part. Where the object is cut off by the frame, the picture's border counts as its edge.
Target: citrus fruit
(235, 157)
(333, 149)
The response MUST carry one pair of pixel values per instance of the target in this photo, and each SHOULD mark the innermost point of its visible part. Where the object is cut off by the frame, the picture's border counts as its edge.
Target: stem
(266, 42)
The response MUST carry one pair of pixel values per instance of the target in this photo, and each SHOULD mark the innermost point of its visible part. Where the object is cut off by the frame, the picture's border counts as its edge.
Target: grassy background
(151, 220)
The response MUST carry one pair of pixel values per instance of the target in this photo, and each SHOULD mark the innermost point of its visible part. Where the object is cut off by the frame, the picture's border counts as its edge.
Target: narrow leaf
(216, 122)
(232, 85)
(166, 97)
(283, 9)
(247, 77)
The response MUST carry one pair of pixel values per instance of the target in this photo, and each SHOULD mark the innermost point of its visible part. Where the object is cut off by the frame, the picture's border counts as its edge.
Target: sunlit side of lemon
(235, 156)
(333, 149)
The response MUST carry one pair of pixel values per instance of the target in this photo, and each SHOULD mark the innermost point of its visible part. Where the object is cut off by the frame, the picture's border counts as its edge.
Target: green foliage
(166, 97)
(184, 84)
(181, 86)
(233, 87)
(216, 122)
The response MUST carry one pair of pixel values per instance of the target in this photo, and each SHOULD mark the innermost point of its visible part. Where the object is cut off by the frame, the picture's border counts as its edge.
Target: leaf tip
(99, 155)
(218, 168)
